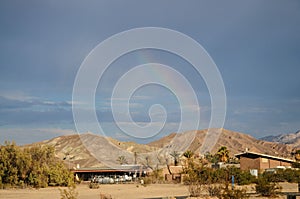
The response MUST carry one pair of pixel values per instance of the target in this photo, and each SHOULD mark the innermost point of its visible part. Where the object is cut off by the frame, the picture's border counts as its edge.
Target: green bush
(267, 188)
(156, 176)
(224, 192)
(94, 185)
(195, 189)
(36, 166)
(69, 193)
(224, 175)
(289, 175)
(234, 194)
(59, 175)
(214, 190)
(197, 176)
(283, 175)
(146, 180)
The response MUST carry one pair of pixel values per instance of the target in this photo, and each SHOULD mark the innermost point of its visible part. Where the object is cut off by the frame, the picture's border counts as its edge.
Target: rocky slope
(236, 142)
(100, 151)
(292, 139)
(89, 149)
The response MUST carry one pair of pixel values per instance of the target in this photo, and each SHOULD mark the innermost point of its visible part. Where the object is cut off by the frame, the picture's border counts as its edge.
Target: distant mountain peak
(292, 139)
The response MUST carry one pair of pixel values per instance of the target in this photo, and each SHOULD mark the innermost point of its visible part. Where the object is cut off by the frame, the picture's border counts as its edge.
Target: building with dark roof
(261, 162)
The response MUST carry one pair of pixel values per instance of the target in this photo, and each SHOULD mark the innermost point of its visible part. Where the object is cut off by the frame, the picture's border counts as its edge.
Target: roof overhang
(249, 153)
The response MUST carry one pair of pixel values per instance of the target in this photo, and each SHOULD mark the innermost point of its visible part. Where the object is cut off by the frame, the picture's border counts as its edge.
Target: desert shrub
(157, 176)
(234, 194)
(105, 196)
(265, 187)
(241, 177)
(195, 189)
(22, 184)
(224, 192)
(273, 176)
(196, 177)
(93, 185)
(287, 175)
(224, 174)
(146, 180)
(214, 190)
(69, 193)
(218, 175)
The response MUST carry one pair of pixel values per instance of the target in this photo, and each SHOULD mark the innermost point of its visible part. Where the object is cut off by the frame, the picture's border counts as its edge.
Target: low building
(173, 173)
(261, 162)
(135, 171)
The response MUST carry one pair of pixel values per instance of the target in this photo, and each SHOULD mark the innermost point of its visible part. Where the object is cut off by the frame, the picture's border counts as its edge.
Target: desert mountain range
(291, 139)
(91, 150)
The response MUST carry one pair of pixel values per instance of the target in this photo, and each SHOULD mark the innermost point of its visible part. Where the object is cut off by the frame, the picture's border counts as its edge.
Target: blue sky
(255, 44)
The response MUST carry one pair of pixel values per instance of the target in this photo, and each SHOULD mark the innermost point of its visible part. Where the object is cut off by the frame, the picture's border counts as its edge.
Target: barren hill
(72, 150)
(103, 151)
(236, 142)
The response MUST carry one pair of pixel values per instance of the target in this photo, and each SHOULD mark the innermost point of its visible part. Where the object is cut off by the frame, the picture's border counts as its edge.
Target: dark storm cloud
(255, 44)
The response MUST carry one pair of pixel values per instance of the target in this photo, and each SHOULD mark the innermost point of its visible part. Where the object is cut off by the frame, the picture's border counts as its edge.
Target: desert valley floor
(119, 191)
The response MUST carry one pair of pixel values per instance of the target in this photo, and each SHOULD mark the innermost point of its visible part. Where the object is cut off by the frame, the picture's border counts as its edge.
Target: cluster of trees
(217, 181)
(283, 175)
(222, 155)
(206, 175)
(35, 166)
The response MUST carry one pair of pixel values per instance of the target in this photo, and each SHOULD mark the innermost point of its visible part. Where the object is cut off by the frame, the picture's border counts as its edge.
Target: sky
(254, 44)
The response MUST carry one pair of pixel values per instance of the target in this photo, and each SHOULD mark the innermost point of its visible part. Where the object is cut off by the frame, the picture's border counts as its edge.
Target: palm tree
(122, 160)
(223, 154)
(188, 154)
(175, 155)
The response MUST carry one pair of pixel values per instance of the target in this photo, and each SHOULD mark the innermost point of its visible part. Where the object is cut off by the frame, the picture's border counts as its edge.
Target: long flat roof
(123, 168)
(265, 156)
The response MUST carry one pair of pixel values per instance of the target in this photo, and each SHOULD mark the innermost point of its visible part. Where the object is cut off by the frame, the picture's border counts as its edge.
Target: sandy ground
(117, 191)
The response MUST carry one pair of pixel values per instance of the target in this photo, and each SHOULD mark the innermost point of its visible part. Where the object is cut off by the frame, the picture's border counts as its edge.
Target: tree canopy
(36, 166)
(223, 154)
